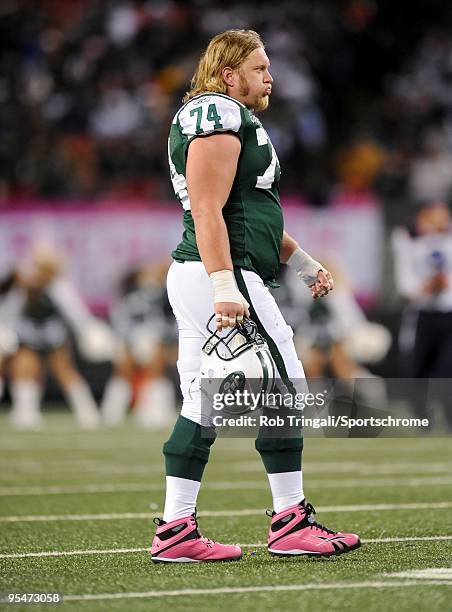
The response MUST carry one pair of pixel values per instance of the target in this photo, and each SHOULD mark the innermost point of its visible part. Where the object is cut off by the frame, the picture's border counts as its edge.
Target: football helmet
(236, 362)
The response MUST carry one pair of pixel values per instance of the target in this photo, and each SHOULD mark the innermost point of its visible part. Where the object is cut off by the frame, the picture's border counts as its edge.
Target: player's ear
(228, 76)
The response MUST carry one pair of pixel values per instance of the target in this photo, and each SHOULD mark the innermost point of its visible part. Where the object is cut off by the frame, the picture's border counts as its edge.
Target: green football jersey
(252, 213)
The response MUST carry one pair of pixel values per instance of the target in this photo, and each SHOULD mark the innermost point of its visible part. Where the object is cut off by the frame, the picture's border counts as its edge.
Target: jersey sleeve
(210, 114)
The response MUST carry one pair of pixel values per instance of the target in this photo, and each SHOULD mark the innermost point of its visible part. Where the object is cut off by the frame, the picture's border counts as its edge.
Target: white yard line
(407, 539)
(95, 442)
(365, 469)
(430, 573)
(97, 466)
(76, 489)
(313, 586)
(73, 553)
(118, 488)
(113, 551)
(224, 486)
(118, 516)
(68, 467)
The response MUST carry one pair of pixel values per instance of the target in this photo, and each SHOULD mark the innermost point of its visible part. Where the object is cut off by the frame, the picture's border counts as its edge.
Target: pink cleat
(294, 531)
(180, 542)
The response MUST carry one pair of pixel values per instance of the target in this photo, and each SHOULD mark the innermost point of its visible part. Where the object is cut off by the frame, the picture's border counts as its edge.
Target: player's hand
(229, 314)
(436, 284)
(230, 305)
(323, 285)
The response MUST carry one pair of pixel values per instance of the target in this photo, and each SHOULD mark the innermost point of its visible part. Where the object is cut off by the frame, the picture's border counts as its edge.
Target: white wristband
(225, 288)
(306, 267)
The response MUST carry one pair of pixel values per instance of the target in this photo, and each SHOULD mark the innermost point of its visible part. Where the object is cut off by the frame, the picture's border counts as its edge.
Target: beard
(260, 102)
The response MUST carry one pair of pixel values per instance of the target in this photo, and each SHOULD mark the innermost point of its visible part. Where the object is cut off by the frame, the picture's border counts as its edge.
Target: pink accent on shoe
(295, 532)
(180, 542)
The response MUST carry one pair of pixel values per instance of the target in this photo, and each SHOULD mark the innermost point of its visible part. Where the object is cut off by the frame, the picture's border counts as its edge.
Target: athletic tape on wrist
(225, 288)
(306, 267)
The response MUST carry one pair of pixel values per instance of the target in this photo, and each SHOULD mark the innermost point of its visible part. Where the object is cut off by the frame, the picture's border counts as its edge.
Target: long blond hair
(230, 48)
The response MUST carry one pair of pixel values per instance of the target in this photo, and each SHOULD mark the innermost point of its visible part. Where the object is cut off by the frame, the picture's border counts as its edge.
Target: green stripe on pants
(278, 454)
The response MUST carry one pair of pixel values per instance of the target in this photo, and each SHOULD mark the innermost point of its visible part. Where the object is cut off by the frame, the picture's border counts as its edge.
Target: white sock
(155, 405)
(83, 405)
(115, 401)
(180, 500)
(26, 397)
(287, 489)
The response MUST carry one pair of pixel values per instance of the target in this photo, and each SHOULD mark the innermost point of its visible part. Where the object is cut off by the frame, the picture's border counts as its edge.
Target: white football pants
(191, 297)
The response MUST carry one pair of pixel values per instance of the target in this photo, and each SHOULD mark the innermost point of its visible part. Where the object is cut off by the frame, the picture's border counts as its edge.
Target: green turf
(337, 472)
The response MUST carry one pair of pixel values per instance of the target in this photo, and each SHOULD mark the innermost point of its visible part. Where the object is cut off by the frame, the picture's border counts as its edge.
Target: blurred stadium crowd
(362, 99)
(362, 105)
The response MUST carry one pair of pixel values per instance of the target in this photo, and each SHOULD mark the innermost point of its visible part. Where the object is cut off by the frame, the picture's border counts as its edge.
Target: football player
(225, 174)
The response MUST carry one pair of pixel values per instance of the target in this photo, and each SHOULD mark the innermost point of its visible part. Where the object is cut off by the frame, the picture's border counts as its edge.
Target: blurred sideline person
(140, 323)
(225, 174)
(43, 307)
(423, 275)
(333, 336)
(8, 337)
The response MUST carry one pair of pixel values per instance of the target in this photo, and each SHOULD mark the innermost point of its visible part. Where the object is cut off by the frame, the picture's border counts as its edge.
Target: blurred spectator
(88, 90)
(431, 171)
(423, 273)
(359, 164)
(43, 309)
(333, 336)
(8, 337)
(143, 332)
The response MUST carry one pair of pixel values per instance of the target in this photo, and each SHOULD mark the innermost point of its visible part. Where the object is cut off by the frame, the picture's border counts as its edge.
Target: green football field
(76, 512)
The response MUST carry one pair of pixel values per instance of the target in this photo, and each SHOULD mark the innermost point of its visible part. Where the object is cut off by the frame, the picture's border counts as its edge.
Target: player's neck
(243, 100)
